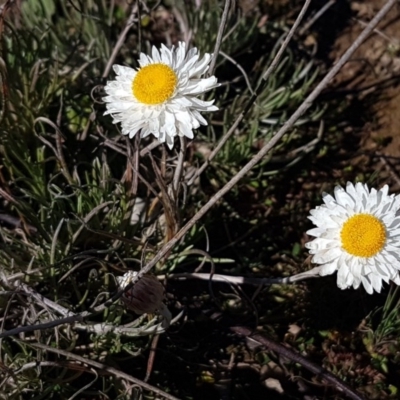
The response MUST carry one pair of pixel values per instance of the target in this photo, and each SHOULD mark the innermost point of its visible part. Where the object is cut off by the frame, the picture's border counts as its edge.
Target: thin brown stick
(131, 178)
(152, 356)
(120, 41)
(241, 69)
(221, 30)
(297, 358)
(317, 15)
(135, 165)
(179, 169)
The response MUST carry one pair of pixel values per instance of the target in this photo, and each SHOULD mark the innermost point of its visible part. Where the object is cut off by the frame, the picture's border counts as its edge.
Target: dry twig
(292, 355)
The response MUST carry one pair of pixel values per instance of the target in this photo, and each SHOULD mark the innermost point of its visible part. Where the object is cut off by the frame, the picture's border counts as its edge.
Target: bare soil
(372, 77)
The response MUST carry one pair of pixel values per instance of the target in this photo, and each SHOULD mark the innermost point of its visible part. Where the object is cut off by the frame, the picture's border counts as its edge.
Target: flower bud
(146, 296)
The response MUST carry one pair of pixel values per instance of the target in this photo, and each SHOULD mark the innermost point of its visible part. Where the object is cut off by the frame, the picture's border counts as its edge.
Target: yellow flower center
(154, 83)
(363, 235)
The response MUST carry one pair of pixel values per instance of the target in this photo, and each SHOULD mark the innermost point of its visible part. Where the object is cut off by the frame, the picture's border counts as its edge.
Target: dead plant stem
(297, 358)
(179, 169)
(120, 41)
(221, 30)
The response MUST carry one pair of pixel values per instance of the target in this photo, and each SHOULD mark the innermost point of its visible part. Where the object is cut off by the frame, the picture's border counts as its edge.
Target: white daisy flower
(358, 235)
(161, 97)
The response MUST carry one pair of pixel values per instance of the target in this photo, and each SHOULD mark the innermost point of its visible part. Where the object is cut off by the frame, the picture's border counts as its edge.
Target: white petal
(342, 277)
(367, 285)
(328, 269)
(328, 255)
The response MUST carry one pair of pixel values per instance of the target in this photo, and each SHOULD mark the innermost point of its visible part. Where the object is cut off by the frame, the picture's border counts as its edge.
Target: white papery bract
(162, 96)
(358, 235)
(146, 296)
